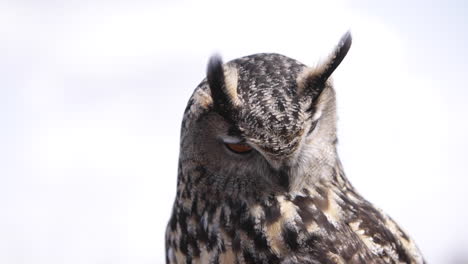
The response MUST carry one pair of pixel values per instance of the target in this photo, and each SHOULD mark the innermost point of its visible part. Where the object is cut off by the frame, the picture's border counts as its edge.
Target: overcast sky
(92, 95)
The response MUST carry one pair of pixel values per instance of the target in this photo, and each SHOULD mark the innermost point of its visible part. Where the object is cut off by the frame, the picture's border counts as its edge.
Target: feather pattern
(288, 201)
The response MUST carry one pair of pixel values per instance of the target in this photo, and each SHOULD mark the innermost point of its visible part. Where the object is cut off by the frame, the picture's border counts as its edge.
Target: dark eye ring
(239, 148)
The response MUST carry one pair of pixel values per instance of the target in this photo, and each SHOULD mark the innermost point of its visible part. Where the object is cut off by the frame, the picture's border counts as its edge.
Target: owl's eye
(239, 148)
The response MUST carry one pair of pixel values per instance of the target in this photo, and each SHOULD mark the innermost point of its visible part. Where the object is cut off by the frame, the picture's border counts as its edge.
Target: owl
(259, 177)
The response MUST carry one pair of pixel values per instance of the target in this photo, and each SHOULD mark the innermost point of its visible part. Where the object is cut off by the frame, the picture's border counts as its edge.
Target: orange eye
(239, 148)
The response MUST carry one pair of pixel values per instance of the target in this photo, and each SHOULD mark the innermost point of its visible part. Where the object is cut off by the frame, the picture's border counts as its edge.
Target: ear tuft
(337, 56)
(312, 80)
(222, 81)
(215, 77)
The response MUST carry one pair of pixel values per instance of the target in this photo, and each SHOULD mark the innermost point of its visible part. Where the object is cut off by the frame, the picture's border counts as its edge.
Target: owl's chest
(301, 229)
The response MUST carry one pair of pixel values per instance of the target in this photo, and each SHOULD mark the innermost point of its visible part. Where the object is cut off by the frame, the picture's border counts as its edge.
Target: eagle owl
(259, 178)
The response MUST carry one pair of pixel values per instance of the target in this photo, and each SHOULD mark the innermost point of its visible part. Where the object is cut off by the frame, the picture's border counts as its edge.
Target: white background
(92, 95)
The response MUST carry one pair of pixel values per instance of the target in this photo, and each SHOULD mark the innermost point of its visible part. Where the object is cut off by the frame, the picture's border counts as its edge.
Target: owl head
(261, 124)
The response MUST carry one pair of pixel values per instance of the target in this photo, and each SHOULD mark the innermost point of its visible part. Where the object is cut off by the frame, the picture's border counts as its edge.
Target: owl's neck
(318, 162)
(195, 182)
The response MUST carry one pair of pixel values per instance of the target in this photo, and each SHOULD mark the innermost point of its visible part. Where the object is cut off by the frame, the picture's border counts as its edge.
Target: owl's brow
(234, 131)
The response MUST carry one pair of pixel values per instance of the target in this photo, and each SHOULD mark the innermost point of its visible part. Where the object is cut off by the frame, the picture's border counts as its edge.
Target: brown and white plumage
(283, 197)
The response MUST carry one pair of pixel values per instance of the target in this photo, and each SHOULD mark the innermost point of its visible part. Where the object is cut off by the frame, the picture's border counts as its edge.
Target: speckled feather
(288, 201)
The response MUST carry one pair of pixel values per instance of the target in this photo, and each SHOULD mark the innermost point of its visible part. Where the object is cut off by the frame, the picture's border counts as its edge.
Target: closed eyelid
(232, 140)
(312, 127)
